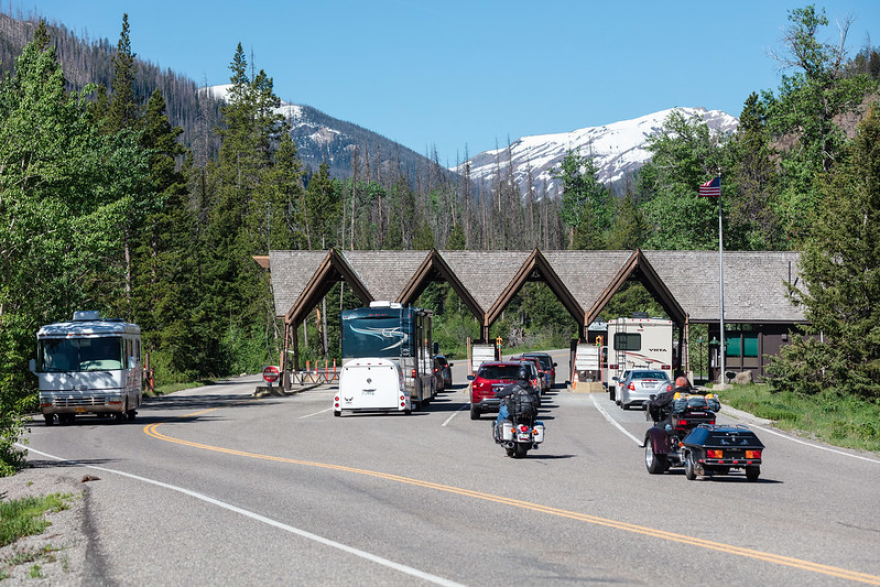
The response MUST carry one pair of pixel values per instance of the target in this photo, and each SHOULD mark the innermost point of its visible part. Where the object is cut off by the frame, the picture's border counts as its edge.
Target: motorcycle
(519, 436)
(663, 441)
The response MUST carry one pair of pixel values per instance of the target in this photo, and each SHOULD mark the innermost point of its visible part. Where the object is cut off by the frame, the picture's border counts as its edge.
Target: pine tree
(840, 291)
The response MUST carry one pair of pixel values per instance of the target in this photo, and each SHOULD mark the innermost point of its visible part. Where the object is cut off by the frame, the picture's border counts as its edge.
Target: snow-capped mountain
(321, 138)
(618, 150)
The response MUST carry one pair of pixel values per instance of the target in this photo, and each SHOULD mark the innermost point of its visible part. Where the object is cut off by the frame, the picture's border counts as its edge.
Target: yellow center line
(152, 430)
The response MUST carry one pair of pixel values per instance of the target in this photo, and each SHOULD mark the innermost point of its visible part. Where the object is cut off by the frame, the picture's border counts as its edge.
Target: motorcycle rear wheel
(520, 450)
(655, 463)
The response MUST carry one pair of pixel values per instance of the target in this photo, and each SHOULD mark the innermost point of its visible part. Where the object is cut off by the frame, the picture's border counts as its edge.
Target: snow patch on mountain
(618, 149)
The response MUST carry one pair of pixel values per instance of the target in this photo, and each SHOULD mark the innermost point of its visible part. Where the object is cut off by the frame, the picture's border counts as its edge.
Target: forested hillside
(104, 206)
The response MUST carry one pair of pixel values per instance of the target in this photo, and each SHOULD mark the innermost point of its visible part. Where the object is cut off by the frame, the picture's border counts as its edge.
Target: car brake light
(612, 367)
(753, 454)
(413, 373)
(715, 454)
(631, 386)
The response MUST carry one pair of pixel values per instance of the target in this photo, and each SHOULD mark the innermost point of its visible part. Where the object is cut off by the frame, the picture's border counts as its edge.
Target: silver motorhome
(89, 365)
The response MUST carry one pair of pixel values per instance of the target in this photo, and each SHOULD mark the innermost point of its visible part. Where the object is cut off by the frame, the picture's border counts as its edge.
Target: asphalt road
(211, 486)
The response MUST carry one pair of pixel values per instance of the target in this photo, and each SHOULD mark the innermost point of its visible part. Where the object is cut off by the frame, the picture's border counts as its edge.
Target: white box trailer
(635, 343)
(371, 385)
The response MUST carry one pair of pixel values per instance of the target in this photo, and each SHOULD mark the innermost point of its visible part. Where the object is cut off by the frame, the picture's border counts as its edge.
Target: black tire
(337, 414)
(625, 407)
(520, 450)
(131, 414)
(510, 452)
(475, 413)
(611, 391)
(119, 417)
(66, 419)
(690, 469)
(753, 472)
(49, 418)
(655, 463)
(406, 412)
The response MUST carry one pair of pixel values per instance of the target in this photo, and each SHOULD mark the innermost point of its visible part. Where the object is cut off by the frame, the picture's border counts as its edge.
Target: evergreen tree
(840, 291)
(753, 210)
(64, 198)
(684, 156)
(586, 203)
(322, 209)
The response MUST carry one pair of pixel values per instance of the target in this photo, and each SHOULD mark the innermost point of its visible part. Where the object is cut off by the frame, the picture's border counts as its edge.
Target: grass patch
(172, 387)
(837, 419)
(25, 517)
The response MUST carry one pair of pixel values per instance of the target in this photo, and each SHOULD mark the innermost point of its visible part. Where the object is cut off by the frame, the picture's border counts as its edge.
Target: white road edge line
(304, 534)
(614, 422)
(761, 428)
(316, 413)
(818, 446)
(449, 419)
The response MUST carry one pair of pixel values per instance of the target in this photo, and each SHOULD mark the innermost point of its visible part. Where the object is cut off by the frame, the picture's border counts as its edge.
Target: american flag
(712, 188)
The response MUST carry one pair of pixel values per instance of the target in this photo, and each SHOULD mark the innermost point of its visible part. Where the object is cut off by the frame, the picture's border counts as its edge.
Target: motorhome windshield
(80, 354)
(375, 336)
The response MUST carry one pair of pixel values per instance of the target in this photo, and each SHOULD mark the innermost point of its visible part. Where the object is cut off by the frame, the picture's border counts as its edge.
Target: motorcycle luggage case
(538, 432)
(506, 431)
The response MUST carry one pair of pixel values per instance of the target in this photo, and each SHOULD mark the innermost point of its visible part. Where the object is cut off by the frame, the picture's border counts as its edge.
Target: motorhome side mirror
(32, 365)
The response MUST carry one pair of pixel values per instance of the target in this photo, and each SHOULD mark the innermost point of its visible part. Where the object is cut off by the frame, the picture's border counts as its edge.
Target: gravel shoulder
(56, 557)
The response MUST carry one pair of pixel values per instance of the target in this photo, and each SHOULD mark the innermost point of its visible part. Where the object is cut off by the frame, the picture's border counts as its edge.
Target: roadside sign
(271, 374)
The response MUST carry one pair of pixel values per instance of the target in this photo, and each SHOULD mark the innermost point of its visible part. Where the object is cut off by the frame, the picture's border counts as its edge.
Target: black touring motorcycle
(685, 435)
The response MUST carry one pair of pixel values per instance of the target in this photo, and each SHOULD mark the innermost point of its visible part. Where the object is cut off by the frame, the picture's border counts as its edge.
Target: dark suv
(549, 367)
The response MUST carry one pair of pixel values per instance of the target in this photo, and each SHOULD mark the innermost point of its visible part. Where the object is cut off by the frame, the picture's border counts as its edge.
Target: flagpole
(723, 346)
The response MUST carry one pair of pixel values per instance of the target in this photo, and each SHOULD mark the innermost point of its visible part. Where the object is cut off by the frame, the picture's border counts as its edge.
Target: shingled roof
(685, 282)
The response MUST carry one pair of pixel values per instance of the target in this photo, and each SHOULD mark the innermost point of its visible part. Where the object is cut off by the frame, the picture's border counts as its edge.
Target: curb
(278, 391)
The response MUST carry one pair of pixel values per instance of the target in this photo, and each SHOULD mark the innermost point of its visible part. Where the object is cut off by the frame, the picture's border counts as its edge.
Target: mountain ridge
(618, 149)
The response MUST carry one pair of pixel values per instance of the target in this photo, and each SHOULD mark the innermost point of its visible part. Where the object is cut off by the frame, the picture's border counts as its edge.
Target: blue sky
(467, 76)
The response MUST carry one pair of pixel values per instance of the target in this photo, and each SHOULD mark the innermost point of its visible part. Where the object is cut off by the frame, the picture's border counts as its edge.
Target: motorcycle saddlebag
(538, 432)
(506, 431)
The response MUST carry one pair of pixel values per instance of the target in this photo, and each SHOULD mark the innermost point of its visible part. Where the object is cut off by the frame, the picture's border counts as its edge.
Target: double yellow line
(152, 430)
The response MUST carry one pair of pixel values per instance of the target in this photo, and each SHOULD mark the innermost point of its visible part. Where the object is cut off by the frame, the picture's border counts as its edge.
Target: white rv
(637, 343)
(89, 366)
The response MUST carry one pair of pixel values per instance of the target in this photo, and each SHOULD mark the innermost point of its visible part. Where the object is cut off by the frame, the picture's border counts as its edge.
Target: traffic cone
(574, 382)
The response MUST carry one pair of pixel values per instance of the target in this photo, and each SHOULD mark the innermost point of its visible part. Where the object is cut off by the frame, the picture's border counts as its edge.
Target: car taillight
(666, 368)
(613, 367)
(631, 386)
(414, 373)
(715, 454)
(669, 387)
(753, 454)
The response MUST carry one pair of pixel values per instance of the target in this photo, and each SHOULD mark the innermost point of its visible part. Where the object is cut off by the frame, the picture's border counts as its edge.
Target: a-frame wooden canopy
(685, 283)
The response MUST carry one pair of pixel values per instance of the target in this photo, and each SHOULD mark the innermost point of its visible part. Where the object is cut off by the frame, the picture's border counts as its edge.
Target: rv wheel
(49, 418)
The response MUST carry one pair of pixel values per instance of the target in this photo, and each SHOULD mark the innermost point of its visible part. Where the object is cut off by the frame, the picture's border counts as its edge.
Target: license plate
(522, 436)
(369, 392)
(80, 410)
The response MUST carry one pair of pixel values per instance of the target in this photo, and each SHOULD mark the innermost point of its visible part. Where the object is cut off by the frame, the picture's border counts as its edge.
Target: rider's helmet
(523, 374)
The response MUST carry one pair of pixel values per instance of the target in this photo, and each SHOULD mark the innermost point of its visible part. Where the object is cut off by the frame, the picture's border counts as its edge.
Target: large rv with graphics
(398, 335)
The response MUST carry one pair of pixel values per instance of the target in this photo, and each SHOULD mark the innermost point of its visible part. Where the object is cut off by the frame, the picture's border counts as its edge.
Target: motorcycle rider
(660, 404)
(521, 385)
